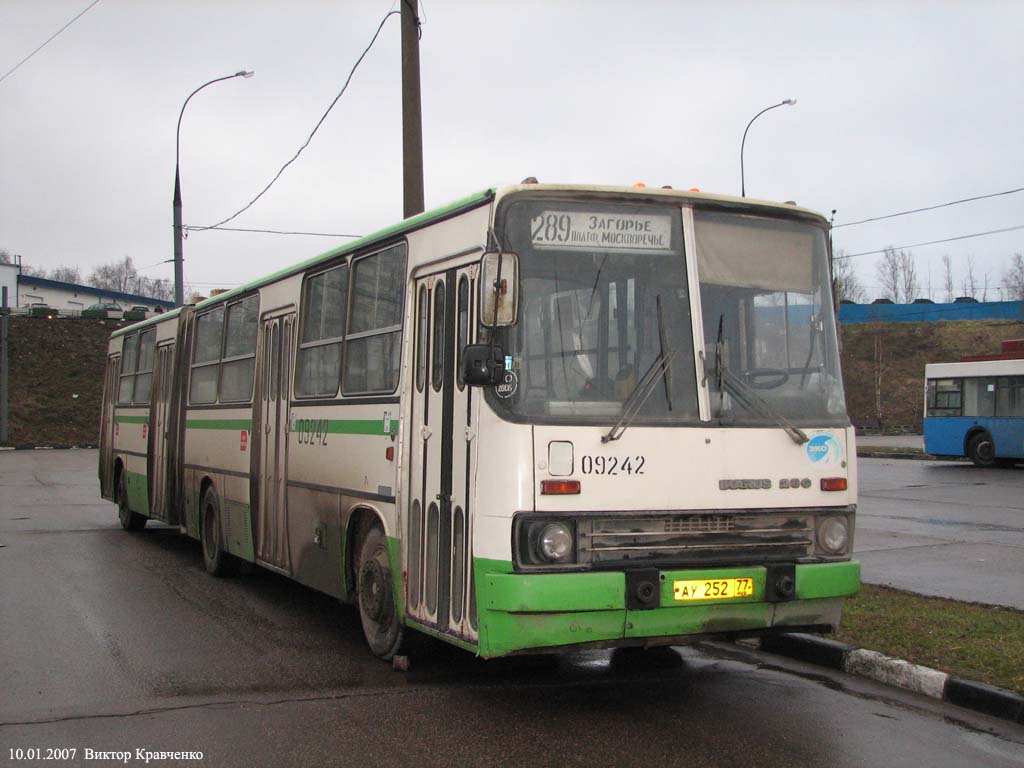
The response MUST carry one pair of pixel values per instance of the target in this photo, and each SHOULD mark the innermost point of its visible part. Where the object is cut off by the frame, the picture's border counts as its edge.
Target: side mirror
(481, 367)
(499, 280)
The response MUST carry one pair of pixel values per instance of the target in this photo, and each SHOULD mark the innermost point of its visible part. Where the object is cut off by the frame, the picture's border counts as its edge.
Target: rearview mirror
(483, 365)
(499, 279)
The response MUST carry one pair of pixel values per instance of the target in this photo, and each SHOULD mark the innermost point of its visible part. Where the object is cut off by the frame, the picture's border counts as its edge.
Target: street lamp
(179, 297)
(783, 103)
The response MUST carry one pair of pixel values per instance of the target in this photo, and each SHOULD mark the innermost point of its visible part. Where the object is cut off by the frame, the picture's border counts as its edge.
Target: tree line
(900, 281)
(120, 276)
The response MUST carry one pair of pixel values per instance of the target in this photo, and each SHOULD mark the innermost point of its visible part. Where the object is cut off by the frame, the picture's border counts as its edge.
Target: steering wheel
(765, 378)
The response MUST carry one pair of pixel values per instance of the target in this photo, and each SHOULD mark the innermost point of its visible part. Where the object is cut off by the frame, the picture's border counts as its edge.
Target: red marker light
(559, 487)
(389, 453)
(833, 483)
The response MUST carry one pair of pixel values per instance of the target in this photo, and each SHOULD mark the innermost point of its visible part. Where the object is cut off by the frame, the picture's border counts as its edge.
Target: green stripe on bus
(238, 424)
(356, 427)
(131, 419)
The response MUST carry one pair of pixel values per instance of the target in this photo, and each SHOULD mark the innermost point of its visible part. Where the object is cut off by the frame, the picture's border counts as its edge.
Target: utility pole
(412, 120)
(4, 379)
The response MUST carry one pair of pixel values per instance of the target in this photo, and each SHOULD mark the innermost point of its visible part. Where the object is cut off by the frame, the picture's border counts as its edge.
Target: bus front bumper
(532, 612)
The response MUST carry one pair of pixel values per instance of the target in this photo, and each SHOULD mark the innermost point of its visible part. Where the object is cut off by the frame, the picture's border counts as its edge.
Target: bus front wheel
(130, 521)
(982, 450)
(375, 594)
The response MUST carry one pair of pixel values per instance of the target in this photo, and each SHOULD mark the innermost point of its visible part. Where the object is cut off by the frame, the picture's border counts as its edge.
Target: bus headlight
(554, 543)
(833, 535)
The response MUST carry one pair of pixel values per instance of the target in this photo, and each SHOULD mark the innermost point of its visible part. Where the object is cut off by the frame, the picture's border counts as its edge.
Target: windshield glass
(603, 300)
(767, 313)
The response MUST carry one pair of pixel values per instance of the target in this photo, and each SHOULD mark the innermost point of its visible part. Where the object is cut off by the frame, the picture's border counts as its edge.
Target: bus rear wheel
(982, 450)
(130, 521)
(375, 595)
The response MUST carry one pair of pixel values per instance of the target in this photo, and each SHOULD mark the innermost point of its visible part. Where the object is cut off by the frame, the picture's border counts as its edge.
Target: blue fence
(923, 313)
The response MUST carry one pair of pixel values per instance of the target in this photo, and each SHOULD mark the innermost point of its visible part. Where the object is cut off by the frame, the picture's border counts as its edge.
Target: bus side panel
(944, 436)
(216, 449)
(337, 463)
(947, 435)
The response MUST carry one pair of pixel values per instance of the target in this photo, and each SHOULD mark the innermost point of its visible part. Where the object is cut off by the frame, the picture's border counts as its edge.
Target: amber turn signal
(559, 487)
(833, 483)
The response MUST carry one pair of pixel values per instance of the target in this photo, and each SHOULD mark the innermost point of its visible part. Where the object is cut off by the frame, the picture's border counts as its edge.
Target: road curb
(987, 699)
(867, 453)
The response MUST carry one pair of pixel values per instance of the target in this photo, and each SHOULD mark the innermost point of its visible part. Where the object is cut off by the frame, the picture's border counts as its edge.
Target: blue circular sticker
(824, 449)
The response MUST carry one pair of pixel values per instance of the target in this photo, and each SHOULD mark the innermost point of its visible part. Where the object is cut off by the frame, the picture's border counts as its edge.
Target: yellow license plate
(712, 589)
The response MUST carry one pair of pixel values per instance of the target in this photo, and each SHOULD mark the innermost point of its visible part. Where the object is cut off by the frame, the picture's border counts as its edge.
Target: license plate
(712, 589)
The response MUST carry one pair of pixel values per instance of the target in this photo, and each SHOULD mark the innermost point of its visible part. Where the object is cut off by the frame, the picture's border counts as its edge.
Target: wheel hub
(373, 593)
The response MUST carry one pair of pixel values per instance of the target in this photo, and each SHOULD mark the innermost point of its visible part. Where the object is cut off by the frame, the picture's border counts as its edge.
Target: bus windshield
(768, 320)
(604, 317)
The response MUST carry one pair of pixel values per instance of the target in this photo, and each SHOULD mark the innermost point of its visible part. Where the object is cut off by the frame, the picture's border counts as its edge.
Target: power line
(932, 242)
(50, 38)
(295, 157)
(929, 208)
(191, 228)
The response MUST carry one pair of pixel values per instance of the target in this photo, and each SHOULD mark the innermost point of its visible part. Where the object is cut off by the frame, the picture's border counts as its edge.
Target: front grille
(695, 539)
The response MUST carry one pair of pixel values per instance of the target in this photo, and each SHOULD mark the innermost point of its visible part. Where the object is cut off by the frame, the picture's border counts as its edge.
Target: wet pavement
(117, 641)
(942, 528)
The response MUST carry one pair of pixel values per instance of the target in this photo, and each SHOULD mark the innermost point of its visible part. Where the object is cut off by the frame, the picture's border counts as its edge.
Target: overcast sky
(900, 105)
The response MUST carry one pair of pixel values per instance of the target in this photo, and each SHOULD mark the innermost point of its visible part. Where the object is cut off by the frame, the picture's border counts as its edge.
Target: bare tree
(1013, 278)
(888, 269)
(66, 274)
(970, 283)
(848, 285)
(908, 276)
(118, 276)
(156, 288)
(947, 277)
(5, 257)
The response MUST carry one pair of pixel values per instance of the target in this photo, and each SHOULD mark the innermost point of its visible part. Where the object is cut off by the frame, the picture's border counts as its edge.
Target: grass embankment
(975, 642)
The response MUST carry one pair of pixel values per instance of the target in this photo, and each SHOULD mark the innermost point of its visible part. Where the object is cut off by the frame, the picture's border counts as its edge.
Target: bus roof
(975, 368)
(496, 193)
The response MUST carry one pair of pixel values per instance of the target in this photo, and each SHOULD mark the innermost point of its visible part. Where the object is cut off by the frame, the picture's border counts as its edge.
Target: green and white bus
(544, 417)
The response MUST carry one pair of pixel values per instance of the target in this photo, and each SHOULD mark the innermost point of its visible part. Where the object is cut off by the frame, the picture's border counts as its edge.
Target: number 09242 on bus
(712, 589)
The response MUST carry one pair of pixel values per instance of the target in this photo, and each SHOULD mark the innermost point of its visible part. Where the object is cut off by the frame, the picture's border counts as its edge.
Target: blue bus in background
(976, 409)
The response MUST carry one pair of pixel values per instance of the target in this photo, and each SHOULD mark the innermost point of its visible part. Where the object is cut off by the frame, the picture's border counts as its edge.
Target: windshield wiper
(645, 387)
(747, 397)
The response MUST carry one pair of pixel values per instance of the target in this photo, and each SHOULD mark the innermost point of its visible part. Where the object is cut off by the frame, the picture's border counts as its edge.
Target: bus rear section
(662, 450)
(975, 408)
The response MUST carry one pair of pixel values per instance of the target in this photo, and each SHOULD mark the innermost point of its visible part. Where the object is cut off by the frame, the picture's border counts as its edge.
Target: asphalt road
(113, 641)
(942, 528)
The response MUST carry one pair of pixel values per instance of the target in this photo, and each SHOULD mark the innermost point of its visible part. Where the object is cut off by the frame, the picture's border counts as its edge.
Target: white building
(26, 290)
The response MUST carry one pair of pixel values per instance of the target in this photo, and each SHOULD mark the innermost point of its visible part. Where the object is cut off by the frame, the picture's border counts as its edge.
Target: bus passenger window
(323, 328)
(374, 339)
(206, 357)
(239, 351)
(129, 354)
(144, 374)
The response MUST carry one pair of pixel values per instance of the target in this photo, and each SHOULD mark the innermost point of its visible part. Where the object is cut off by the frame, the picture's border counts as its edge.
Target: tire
(982, 450)
(375, 595)
(217, 561)
(130, 521)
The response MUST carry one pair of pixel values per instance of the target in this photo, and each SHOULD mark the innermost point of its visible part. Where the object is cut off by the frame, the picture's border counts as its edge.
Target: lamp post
(783, 103)
(179, 297)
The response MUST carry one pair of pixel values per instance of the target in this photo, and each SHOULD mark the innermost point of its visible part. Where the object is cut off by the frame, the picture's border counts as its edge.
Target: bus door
(107, 427)
(270, 435)
(159, 428)
(438, 534)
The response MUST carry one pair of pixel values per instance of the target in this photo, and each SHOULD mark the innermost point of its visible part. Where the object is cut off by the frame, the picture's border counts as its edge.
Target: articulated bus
(545, 417)
(976, 409)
